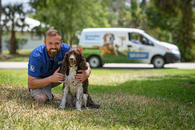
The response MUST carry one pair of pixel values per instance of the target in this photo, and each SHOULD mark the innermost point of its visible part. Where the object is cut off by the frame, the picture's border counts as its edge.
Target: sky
(25, 3)
(4, 2)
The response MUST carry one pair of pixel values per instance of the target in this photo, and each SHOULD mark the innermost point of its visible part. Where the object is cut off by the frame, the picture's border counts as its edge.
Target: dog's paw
(61, 107)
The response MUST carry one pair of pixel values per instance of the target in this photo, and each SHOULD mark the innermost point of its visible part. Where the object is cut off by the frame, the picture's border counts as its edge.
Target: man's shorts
(46, 90)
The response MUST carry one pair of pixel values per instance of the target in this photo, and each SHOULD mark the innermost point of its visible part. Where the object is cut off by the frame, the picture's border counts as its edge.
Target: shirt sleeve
(34, 66)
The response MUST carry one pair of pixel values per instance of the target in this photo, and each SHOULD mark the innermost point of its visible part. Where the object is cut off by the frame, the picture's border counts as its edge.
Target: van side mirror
(129, 46)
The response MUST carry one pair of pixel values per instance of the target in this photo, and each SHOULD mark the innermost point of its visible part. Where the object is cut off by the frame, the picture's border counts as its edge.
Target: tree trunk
(12, 42)
(0, 29)
(186, 28)
(143, 13)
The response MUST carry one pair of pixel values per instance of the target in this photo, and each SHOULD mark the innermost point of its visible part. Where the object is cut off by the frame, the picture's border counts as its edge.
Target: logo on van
(92, 37)
(138, 55)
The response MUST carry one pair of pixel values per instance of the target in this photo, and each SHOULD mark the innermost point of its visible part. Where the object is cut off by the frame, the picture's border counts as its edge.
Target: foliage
(173, 17)
(129, 99)
(14, 21)
(70, 16)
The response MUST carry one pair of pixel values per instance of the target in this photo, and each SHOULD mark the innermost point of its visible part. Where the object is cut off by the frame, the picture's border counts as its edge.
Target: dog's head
(108, 38)
(73, 58)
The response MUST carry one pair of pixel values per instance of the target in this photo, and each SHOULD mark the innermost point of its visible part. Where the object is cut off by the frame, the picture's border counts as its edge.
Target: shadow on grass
(22, 97)
(134, 68)
(178, 88)
(151, 103)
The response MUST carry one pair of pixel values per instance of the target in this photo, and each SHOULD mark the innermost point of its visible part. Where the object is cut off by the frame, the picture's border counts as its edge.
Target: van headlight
(173, 50)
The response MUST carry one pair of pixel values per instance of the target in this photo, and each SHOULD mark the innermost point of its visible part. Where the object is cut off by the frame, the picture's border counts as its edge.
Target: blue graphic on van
(92, 37)
(138, 55)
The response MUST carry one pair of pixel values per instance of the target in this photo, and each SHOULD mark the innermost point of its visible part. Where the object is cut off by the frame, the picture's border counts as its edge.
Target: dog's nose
(71, 59)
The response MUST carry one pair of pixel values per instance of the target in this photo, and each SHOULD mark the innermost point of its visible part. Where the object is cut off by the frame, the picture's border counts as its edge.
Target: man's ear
(45, 42)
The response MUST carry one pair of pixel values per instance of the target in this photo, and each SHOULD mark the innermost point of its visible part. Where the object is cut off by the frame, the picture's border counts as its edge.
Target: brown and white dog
(74, 92)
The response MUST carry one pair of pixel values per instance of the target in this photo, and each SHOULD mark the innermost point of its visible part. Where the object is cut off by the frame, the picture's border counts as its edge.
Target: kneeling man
(44, 64)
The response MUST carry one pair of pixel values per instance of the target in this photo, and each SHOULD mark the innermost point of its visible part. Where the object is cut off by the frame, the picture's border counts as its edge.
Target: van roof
(112, 30)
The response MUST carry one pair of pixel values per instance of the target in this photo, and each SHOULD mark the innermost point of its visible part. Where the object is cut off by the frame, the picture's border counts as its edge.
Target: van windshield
(150, 37)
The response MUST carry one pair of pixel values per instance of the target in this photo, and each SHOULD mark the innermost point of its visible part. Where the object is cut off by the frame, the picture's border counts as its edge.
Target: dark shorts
(46, 90)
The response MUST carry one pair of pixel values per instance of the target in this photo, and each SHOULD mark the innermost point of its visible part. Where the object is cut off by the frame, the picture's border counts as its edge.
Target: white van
(125, 45)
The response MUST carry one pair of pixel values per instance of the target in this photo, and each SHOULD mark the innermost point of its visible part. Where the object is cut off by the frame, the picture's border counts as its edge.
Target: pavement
(24, 65)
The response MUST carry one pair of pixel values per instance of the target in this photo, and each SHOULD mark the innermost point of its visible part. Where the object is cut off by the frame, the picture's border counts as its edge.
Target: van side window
(135, 38)
(139, 39)
(129, 36)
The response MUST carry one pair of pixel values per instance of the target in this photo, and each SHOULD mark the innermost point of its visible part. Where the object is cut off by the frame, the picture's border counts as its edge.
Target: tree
(70, 16)
(183, 31)
(143, 6)
(14, 20)
(184, 34)
(0, 29)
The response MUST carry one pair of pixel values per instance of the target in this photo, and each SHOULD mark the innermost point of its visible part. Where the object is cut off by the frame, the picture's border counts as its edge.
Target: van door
(139, 47)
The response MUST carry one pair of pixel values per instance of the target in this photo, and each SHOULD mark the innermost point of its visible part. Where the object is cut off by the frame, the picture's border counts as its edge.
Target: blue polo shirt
(39, 61)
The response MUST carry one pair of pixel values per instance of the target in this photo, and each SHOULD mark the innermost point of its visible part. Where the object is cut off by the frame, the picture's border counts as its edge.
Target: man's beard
(53, 52)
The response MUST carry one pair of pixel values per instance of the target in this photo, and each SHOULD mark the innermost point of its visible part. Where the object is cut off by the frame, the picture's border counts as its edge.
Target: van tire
(158, 62)
(94, 61)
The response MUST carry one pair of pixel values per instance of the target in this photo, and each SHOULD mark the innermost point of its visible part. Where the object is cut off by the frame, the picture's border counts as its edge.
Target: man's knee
(41, 98)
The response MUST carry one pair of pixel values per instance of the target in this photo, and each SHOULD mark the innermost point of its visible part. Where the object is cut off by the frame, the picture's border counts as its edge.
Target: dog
(108, 47)
(74, 92)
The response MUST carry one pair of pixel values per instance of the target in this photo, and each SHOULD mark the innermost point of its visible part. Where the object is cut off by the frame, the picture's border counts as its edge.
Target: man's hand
(83, 74)
(57, 77)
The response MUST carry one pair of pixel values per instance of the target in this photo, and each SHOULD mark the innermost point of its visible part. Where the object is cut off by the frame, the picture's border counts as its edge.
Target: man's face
(53, 44)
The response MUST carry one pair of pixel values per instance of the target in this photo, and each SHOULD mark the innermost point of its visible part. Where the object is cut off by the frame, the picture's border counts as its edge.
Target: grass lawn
(22, 55)
(141, 99)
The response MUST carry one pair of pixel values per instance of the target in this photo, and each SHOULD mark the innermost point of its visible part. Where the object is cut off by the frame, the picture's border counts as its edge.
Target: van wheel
(94, 61)
(158, 62)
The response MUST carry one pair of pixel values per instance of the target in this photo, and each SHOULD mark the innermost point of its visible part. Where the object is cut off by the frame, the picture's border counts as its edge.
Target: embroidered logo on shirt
(32, 68)
(59, 62)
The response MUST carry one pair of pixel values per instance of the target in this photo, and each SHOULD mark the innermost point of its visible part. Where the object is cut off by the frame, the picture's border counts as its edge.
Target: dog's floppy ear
(65, 64)
(82, 62)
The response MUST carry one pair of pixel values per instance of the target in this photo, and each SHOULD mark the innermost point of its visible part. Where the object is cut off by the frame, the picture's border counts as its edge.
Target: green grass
(140, 99)
(22, 55)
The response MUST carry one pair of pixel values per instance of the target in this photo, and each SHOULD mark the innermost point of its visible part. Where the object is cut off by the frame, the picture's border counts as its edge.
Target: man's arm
(84, 74)
(34, 82)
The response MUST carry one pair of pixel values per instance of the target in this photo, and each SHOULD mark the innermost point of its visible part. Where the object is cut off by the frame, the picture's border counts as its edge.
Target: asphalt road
(24, 65)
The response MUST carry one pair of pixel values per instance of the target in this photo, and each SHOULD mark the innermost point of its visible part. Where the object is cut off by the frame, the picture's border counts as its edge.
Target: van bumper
(172, 57)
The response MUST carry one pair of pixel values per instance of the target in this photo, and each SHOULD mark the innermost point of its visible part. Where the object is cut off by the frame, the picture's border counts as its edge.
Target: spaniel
(74, 92)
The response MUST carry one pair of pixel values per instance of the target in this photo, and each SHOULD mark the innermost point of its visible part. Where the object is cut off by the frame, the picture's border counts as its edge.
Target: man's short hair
(52, 32)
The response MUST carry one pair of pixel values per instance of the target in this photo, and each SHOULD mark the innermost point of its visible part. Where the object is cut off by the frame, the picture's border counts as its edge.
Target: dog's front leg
(85, 97)
(69, 100)
(63, 101)
(79, 98)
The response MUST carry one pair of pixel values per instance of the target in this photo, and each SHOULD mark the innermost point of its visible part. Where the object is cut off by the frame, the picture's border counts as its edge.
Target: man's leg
(42, 95)
(41, 98)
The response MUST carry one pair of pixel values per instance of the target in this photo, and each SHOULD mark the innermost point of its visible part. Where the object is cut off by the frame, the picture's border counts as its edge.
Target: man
(44, 64)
